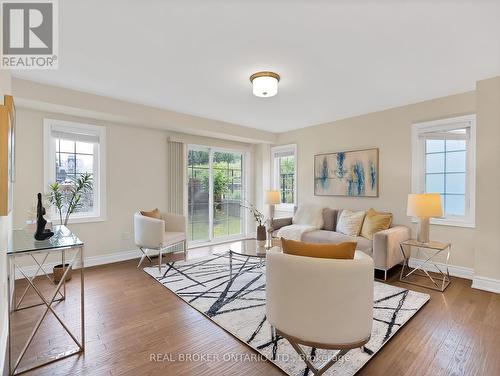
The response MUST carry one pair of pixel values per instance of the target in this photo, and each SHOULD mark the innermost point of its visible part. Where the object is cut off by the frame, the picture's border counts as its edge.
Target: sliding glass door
(198, 194)
(215, 194)
(227, 171)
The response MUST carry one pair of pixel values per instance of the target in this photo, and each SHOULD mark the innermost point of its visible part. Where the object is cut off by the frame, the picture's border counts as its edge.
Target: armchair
(322, 303)
(159, 234)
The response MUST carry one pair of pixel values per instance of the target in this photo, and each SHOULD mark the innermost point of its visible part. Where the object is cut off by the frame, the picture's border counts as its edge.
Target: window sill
(76, 220)
(450, 222)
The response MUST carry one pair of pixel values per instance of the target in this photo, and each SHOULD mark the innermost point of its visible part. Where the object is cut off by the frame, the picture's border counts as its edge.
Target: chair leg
(159, 260)
(317, 371)
(144, 255)
(140, 261)
(184, 246)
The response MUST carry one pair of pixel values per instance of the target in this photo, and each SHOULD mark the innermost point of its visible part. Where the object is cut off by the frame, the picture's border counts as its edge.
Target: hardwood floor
(131, 319)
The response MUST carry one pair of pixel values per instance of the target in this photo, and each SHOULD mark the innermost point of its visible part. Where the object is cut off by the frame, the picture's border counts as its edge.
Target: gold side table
(430, 250)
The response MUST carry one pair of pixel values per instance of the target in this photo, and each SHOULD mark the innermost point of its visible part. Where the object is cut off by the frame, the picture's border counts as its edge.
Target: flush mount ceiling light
(265, 84)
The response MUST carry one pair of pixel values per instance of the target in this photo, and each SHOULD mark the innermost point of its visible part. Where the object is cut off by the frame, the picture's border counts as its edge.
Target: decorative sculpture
(41, 232)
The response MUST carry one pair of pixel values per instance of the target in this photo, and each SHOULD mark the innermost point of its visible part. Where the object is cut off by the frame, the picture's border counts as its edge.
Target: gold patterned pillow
(319, 250)
(350, 222)
(375, 222)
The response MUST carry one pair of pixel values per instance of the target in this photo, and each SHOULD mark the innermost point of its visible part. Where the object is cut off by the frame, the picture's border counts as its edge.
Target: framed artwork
(7, 151)
(347, 173)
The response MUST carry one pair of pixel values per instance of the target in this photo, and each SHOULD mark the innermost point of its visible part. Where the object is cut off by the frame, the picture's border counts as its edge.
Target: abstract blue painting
(347, 173)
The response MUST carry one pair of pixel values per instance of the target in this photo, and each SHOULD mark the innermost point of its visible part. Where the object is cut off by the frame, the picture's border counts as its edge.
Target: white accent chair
(159, 234)
(322, 303)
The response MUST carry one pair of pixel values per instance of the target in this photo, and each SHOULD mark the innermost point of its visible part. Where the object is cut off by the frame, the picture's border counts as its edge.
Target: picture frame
(351, 173)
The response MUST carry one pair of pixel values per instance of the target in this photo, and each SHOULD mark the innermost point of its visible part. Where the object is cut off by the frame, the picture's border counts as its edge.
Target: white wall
(487, 255)
(136, 175)
(477, 248)
(390, 132)
(65, 101)
(140, 151)
(5, 226)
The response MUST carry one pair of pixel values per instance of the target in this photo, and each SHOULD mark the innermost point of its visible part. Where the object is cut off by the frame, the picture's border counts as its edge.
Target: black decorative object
(41, 232)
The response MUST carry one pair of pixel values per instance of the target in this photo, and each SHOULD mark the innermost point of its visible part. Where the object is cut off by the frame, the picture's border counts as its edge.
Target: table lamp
(272, 198)
(424, 206)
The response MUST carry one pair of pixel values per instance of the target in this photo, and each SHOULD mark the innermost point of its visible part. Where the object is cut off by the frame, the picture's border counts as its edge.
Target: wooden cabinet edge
(6, 116)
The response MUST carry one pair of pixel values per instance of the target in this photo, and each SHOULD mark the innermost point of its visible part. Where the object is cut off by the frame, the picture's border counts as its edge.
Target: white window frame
(418, 165)
(292, 148)
(212, 240)
(99, 189)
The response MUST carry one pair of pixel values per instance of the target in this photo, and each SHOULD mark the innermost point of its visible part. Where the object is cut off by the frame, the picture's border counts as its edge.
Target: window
(216, 191)
(72, 149)
(285, 178)
(444, 162)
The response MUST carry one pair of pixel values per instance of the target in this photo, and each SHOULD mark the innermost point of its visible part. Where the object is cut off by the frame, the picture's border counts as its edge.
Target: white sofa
(384, 248)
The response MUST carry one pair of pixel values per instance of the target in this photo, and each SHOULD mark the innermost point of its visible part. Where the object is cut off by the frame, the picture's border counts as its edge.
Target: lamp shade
(273, 197)
(424, 205)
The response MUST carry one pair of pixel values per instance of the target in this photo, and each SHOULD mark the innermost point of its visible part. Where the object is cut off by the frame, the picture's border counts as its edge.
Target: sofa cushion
(375, 222)
(173, 237)
(350, 222)
(319, 250)
(281, 222)
(329, 219)
(323, 236)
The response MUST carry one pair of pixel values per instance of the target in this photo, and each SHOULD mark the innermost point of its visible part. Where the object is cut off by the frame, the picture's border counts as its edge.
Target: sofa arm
(386, 250)
(281, 222)
(174, 222)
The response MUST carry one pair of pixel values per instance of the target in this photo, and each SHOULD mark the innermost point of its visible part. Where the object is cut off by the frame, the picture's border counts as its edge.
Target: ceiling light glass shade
(265, 84)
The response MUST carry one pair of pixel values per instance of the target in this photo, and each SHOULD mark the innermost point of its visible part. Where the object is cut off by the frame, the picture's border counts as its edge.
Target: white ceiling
(336, 58)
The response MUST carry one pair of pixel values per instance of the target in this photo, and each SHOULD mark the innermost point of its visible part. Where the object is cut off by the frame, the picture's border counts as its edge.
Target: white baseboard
(88, 261)
(478, 282)
(111, 257)
(455, 271)
(486, 284)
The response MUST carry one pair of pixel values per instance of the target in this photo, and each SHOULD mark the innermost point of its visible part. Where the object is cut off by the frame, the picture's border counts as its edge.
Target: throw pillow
(310, 215)
(375, 222)
(350, 222)
(319, 250)
(329, 219)
(153, 213)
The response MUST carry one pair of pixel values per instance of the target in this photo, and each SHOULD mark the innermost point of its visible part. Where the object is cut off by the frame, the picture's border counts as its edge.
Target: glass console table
(24, 245)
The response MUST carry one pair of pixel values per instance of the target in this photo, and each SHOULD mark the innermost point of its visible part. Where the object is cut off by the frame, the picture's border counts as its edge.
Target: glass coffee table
(251, 248)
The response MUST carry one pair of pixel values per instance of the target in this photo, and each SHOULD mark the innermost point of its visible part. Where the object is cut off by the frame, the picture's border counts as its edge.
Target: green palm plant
(69, 199)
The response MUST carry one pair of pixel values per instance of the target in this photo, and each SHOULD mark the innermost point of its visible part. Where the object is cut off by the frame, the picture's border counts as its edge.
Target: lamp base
(423, 230)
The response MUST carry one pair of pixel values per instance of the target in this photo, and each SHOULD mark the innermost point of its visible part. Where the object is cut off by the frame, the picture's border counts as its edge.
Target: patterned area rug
(236, 302)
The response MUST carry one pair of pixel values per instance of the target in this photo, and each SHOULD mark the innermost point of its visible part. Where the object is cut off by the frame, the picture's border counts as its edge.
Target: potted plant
(260, 219)
(67, 199)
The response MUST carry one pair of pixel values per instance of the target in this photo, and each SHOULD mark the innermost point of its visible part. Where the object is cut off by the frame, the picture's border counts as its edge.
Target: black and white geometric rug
(237, 304)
